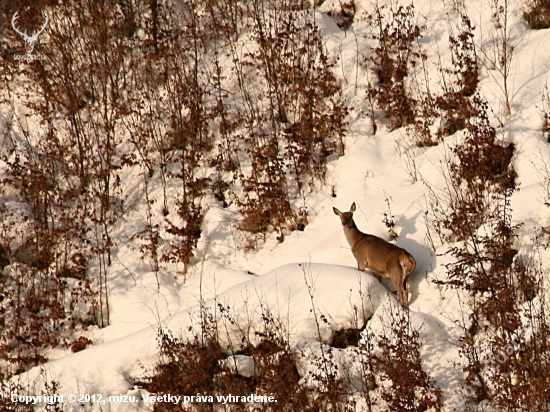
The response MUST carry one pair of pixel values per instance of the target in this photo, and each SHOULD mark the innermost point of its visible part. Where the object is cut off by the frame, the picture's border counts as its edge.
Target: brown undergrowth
(499, 287)
(358, 369)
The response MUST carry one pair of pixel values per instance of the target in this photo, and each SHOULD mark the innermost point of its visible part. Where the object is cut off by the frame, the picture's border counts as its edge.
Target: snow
(315, 268)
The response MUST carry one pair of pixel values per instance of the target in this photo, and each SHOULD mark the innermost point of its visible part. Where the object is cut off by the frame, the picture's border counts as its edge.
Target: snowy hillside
(166, 242)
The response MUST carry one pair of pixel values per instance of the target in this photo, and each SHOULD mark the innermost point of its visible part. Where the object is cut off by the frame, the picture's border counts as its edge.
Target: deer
(382, 258)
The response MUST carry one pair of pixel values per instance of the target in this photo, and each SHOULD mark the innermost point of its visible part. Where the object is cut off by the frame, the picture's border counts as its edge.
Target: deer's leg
(401, 285)
(398, 276)
(398, 282)
(404, 295)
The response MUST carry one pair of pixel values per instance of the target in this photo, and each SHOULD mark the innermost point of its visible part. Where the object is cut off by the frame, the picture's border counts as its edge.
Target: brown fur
(373, 253)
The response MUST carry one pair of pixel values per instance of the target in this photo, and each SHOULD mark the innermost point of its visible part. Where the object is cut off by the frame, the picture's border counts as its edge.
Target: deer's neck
(353, 235)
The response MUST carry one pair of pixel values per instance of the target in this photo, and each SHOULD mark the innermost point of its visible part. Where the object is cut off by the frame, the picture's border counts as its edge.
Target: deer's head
(346, 217)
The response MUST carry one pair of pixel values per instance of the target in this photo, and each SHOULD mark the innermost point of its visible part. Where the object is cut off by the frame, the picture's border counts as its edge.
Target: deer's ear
(336, 211)
(352, 209)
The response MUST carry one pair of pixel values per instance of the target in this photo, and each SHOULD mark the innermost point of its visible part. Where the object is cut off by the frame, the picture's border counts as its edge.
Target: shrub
(289, 138)
(202, 366)
(537, 14)
(544, 111)
(184, 368)
(500, 284)
(459, 82)
(132, 84)
(400, 365)
(392, 59)
(316, 377)
(344, 17)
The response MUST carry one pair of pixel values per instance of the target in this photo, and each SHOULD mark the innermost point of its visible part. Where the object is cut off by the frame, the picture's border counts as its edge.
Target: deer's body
(373, 253)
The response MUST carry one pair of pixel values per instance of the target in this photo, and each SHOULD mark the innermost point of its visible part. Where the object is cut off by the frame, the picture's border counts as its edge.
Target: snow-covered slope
(315, 267)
